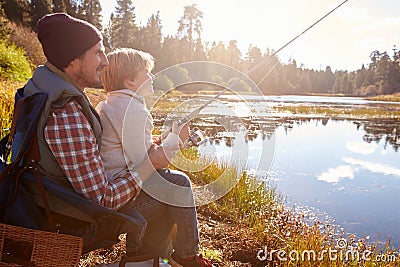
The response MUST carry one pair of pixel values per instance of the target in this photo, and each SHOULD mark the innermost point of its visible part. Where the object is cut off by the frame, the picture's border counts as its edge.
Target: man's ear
(72, 66)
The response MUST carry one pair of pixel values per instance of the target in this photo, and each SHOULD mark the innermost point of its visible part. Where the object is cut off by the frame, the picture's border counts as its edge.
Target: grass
(361, 112)
(391, 97)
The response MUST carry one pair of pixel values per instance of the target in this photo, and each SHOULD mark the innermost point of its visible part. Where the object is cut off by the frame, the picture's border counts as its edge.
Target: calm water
(329, 166)
(346, 168)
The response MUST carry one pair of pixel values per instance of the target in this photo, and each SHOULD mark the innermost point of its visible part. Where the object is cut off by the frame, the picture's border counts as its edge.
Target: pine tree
(15, 10)
(108, 33)
(190, 26)
(386, 74)
(124, 26)
(72, 7)
(329, 79)
(169, 53)
(90, 10)
(359, 79)
(59, 6)
(151, 36)
(39, 8)
(217, 52)
(253, 58)
(234, 55)
(199, 53)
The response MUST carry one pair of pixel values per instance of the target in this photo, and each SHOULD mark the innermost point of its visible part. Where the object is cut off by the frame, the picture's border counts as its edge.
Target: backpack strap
(17, 111)
(32, 163)
(7, 149)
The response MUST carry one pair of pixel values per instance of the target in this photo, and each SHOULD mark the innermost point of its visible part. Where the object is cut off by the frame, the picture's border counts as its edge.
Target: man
(69, 130)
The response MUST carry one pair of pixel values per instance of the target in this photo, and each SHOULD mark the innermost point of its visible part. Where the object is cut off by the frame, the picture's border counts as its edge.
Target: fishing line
(197, 111)
(300, 34)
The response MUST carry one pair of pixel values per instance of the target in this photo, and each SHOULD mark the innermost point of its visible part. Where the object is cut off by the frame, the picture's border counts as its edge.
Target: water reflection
(387, 130)
(346, 168)
(375, 130)
(329, 165)
(334, 175)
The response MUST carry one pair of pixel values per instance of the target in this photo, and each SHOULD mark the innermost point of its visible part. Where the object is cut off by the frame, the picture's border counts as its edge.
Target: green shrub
(14, 65)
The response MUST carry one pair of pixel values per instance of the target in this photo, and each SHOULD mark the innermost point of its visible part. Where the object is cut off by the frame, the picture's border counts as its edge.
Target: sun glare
(345, 38)
(247, 22)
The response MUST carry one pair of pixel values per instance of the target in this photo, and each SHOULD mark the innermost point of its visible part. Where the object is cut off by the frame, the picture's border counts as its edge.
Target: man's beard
(88, 79)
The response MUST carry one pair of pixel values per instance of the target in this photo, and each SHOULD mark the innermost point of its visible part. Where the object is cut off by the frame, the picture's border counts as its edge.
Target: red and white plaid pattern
(73, 143)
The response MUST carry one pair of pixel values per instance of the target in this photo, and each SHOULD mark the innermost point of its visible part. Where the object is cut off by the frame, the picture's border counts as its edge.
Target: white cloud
(335, 175)
(373, 167)
(361, 147)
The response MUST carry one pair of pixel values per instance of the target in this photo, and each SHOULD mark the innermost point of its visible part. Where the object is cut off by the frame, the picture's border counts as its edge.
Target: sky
(344, 40)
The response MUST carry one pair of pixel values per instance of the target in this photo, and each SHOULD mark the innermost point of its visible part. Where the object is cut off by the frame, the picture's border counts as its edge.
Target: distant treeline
(380, 76)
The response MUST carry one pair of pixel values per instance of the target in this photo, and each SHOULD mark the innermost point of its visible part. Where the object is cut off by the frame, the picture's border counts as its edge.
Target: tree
(39, 8)
(217, 52)
(169, 53)
(185, 50)
(59, 6)
(199, 53)
(177, 75)
(291, 74)
(234, 56)
(337, 86)
(108, 33)
(15, 10)
(253, 58)
(190, 26)
(374, 56)
(90, 10)
(151, 36)
(304, 82)
(329, 78)
(124, 26)
(72, 7)
(386, 74)
(163, 83)
(360, 77)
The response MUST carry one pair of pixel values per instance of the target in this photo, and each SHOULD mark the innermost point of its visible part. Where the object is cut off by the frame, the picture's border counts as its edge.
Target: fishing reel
(196, 137)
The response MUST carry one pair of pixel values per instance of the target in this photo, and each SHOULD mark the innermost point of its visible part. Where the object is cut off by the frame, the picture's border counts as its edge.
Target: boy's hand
(184, 132)
(159, 156)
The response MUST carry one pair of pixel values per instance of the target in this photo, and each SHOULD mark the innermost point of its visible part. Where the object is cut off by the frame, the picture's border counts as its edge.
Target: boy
(127, 128)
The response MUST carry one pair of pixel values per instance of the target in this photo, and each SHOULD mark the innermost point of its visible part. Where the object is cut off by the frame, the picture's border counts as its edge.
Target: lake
(345, 168)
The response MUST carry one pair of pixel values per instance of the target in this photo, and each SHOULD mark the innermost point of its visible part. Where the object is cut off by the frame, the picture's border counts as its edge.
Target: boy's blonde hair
(124, 63)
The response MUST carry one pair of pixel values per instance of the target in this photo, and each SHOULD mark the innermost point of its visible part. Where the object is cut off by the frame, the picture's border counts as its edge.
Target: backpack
(17, 206)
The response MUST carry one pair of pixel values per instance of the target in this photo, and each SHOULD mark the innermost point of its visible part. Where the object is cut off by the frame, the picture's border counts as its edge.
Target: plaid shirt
(73, 143)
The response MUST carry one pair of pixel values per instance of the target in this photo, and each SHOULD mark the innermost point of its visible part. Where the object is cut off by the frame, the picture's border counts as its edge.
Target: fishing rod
(194, 113)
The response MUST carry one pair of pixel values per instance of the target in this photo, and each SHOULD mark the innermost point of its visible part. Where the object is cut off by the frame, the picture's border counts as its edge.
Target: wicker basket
(27, 247)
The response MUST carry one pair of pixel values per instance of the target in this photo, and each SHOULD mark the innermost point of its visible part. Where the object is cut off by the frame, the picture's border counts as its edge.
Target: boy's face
(144, 82)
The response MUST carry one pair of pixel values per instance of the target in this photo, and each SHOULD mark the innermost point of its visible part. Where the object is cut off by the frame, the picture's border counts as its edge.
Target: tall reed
(7, 92)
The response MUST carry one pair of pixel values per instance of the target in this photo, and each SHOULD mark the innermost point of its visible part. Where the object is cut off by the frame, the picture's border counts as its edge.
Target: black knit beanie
(65, 38)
